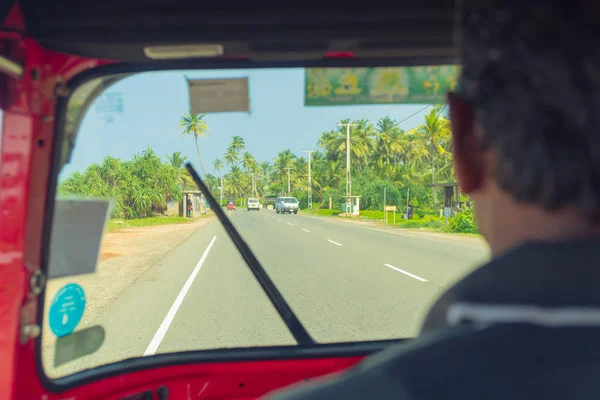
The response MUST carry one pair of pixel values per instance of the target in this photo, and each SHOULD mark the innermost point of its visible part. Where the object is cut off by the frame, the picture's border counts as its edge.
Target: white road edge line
(164, 326)
(336, 243)
(278, 220)
(393, 233)
(306, 230)
(406, 273)
(289, 224)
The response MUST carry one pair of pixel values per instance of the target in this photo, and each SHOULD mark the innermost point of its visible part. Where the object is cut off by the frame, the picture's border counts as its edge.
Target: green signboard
(382, 85)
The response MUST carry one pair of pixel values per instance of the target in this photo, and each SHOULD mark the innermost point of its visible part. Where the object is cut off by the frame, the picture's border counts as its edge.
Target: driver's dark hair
(532, 72)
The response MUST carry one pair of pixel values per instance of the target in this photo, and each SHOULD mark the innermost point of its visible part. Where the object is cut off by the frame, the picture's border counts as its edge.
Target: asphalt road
(345, 281)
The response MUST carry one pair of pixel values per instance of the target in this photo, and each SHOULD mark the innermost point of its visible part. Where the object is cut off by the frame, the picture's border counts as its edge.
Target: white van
(253, 204)
(286, 204)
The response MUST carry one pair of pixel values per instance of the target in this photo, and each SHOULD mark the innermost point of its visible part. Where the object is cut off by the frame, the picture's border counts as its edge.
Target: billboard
(379, 85)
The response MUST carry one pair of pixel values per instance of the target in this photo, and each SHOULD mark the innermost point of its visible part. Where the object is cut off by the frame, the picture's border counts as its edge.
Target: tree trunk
(200, 157)
(435, 206)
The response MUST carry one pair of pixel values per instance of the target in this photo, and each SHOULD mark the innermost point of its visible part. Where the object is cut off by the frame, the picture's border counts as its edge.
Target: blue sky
(154, 103)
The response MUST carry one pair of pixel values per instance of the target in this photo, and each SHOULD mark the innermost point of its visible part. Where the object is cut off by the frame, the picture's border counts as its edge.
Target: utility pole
(221, 196)
(253, 185)
(309, 180)
(348, 176)
(289, 189)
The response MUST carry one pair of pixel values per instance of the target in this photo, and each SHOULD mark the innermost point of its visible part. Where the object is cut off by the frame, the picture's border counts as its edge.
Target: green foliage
(302, 198)
(463, 222)
(140, 187)
(383, 157)
(323, 212)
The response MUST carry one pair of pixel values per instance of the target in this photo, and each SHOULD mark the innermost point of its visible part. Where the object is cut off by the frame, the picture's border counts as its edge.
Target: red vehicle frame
(29, 100)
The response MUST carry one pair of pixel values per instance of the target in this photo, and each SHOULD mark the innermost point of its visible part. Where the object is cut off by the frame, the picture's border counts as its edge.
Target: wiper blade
(283, 309)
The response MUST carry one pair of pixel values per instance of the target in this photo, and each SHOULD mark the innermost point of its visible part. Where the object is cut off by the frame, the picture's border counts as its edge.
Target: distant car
(231, 206)
(286, 204)
(253, 204)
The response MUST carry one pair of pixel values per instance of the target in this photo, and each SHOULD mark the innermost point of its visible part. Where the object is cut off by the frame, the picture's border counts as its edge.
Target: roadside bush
(463, 222)
(302, 198)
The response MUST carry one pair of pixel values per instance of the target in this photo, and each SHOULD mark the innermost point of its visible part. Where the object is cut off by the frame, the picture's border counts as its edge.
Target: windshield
(379, 231)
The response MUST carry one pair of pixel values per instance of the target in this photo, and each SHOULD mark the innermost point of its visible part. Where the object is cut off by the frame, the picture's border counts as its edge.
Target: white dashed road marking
(406, 273)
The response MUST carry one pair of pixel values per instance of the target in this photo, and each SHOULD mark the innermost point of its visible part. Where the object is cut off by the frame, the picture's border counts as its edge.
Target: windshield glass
(379, 231)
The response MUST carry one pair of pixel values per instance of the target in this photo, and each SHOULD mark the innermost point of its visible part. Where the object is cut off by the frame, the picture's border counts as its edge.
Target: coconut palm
(435, 135)
(248, 161)
(237, 144)
(196, 126)
(184, 178)
(218, 166)
(231, 157)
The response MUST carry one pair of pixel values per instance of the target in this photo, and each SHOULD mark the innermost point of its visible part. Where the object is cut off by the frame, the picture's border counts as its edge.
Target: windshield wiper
(283, 309)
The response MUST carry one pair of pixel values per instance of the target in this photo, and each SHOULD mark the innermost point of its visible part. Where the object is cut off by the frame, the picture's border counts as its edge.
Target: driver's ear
(468, 160)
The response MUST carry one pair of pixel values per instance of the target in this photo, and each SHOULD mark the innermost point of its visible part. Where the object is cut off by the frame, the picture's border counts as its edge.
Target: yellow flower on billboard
(319, 85)
(389, 82)
(348, 84)
(451, 80)
(432, 84)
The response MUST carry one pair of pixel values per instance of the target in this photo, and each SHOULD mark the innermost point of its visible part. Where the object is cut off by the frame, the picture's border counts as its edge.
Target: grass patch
(116, 224)
(322, 212)
(428, 222)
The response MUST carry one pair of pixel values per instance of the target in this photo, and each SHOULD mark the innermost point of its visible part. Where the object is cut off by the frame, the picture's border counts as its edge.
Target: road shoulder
(125, 255)
(410, 232)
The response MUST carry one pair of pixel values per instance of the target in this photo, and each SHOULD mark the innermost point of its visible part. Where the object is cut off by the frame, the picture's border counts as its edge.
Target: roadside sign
(385, 211)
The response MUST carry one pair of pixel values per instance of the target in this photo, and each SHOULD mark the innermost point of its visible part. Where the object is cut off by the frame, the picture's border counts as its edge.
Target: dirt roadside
(125, 255)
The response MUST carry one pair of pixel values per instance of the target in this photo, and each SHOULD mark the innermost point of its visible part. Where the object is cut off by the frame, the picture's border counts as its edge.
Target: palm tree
(231, 157)
(435, 135)
(330, 173)
(248, 161)
(237, 144)
(176, 159)
(184, 178)
(366, 133)
(334, 142)
(300, 176)
(237, 182)
(218, 166)
(283, 161)
(196, 126)
(391, 143)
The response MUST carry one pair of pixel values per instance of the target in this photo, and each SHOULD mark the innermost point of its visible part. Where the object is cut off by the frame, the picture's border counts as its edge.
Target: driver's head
(526, 117)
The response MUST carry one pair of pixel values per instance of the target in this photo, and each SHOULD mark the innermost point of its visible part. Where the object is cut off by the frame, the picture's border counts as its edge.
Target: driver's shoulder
(387, 374)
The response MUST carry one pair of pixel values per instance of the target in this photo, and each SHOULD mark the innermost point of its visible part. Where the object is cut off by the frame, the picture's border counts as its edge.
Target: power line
(412, 115)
